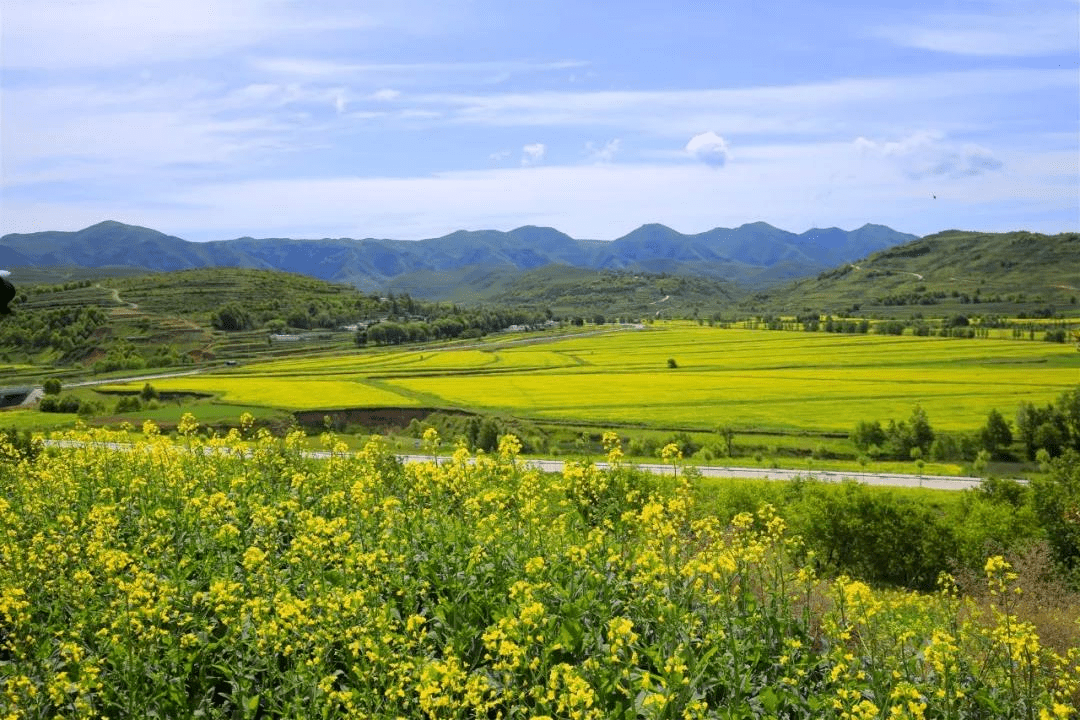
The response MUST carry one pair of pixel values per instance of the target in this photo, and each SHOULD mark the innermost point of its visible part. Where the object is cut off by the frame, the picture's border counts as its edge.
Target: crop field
(237, 578)
(287, 392)
(751, 380)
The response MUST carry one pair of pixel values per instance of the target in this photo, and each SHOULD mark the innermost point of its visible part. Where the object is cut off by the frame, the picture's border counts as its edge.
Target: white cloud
(385, 95)
(54, 33)
(1010, 28)
(954, 99)
(532, 154)
(475, 73)
(709, 148)
(930, 154)
(605, 153)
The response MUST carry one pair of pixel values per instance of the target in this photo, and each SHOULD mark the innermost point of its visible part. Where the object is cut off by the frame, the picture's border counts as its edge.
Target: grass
(36, 421)
(280, 392)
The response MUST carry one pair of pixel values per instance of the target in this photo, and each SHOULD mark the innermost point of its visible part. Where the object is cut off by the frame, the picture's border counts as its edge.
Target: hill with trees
(190, 316)
(946, 273)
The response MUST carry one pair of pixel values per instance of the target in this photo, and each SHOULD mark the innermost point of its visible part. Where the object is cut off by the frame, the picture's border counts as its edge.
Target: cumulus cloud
(709, 148)
(604, 153)
(532, 154)
(930, 154)
(385, 95)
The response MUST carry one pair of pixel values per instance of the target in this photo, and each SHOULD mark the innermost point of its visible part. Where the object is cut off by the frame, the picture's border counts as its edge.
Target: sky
(409, 119)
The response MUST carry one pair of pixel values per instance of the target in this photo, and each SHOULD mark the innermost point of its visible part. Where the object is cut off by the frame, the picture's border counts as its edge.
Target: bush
(128, 403)
(875, 535)
(53, 404)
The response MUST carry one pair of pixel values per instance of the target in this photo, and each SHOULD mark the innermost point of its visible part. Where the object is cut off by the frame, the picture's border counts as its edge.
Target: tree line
(1043, 433)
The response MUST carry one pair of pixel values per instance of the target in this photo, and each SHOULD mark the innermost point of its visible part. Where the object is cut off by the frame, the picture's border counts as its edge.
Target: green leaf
(769, 700)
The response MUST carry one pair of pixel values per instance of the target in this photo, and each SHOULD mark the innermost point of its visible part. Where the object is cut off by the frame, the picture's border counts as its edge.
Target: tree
(996, 437)
(487, 437)
(51, 386)
(231, 318)
(922, 433)
(1042, 429)
(728, 433)
(148, 393)
(1057, 505)
(867, 434)
(1069, 408)
(904, 436)
(672, 364)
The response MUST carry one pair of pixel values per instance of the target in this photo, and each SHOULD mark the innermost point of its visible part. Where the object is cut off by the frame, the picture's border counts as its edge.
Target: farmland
(751, 380)
(227, 573)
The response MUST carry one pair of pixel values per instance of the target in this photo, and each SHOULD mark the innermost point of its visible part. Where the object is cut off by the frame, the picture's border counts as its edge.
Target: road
(137, 378)
(933, 482)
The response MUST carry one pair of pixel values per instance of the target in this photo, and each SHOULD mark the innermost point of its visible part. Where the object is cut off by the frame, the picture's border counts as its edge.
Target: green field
(770, 381)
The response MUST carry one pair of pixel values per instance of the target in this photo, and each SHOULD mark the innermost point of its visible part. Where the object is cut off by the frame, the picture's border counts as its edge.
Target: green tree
(487, 436)
(867, 435)
(232, 317)
(1057, 505)
(1068, 405)
(728, 434)
(921, 432)
(996, 436)
(51, 386)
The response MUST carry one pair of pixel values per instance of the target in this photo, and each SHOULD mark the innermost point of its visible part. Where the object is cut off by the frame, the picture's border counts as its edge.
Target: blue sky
(411, 119)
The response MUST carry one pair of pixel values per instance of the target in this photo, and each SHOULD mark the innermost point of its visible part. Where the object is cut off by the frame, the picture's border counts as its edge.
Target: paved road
(137, 378)
(935, 482)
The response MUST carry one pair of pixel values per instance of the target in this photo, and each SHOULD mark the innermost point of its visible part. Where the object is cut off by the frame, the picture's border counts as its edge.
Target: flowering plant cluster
(238, 577)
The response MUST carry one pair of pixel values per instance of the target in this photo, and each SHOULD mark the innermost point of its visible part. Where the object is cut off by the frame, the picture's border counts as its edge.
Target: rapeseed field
(236, 577)
(746, 379)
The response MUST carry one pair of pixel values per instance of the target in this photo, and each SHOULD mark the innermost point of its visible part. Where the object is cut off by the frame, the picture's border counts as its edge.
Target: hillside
(166, 319)
(949, 272)
(217, 314)
(756, 254)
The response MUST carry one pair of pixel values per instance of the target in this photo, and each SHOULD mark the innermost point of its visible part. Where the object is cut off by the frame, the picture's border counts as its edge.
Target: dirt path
(116, 297)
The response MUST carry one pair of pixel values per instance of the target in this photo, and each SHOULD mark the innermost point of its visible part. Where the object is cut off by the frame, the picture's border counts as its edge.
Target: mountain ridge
(735, 254)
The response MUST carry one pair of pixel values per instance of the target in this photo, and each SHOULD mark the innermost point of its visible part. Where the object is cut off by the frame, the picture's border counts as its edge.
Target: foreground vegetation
(236, 577)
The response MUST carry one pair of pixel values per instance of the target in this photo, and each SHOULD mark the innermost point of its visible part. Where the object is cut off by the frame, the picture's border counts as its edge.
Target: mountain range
(752, 254)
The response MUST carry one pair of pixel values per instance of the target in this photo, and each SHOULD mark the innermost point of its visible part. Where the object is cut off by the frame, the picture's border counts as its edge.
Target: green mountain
(756, 253)
(949, 272)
